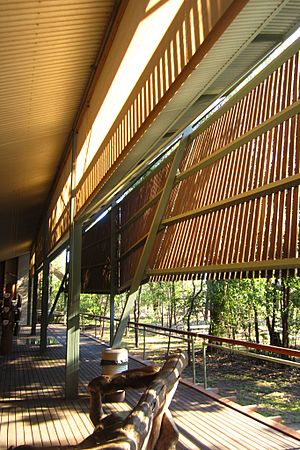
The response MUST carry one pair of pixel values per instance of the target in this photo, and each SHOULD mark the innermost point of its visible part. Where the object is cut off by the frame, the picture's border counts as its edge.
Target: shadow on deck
(33, 409)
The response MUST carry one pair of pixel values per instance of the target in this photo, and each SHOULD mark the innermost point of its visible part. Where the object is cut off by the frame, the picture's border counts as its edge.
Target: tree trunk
(274, 335)
(256, 324)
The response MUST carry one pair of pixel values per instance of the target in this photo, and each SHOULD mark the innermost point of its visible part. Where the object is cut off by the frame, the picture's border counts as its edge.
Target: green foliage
(93, 303)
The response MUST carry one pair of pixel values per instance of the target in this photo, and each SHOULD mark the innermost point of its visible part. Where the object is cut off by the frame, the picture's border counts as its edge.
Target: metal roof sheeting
(47, 52)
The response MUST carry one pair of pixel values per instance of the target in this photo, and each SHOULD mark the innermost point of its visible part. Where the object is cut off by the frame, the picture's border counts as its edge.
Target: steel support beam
(73, 310)
(74, 288)
(276, 264)
(45, 300)
(34, 303)
(113, 273)
(139, 273)
(29, 302)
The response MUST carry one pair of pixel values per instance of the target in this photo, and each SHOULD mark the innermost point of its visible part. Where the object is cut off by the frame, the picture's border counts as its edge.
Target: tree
(216, 300)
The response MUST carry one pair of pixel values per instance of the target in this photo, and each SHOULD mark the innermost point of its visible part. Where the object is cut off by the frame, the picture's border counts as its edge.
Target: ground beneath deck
(34, 411)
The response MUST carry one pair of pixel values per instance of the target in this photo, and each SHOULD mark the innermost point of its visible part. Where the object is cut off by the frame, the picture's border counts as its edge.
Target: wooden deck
(33, 410)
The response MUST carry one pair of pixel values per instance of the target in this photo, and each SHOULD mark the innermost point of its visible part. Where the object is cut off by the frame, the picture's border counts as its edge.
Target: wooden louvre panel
(277, 92)
(165, 71)
(136, 214)
(96, 258)
(40, 246)
(59, 208)
(128, 265)
(61, 228)
(239, 210)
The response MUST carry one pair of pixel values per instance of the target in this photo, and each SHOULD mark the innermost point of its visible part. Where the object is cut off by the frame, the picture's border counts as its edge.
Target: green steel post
(66, 286)
(73, 310)
(144, 343)
(194, 360)
(45, 301)
(204, 366)
(113, 274)
(73, 305)
(29, 301)
(140, 270)
(34, 304)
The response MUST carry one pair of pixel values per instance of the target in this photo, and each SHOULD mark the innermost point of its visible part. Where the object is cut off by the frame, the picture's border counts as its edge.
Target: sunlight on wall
(133, 64)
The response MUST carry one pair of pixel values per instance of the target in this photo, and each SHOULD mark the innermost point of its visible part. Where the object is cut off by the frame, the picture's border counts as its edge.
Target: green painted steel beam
(277, 264)
(140, 271)
(29, 301)
(34, 304)
(113, 272)
(45, 301)
(74, 289)
(73, 311)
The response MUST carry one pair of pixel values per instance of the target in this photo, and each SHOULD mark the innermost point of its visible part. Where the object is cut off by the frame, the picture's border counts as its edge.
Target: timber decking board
(33, 409)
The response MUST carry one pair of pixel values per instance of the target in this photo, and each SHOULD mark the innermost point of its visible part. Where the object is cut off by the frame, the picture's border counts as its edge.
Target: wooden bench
(149, 426)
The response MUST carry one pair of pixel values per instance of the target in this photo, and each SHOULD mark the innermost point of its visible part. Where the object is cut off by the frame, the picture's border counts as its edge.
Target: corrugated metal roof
(289, 16)
(47, 52)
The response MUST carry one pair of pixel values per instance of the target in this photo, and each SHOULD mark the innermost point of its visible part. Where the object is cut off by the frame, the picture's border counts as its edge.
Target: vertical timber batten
(74, 288)
(45, 299)
(140, 270)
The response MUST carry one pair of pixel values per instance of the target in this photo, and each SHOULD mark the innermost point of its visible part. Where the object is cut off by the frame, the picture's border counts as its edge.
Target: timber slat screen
(178, 49)
(234, 207)
(136, 213)
(96, 257)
